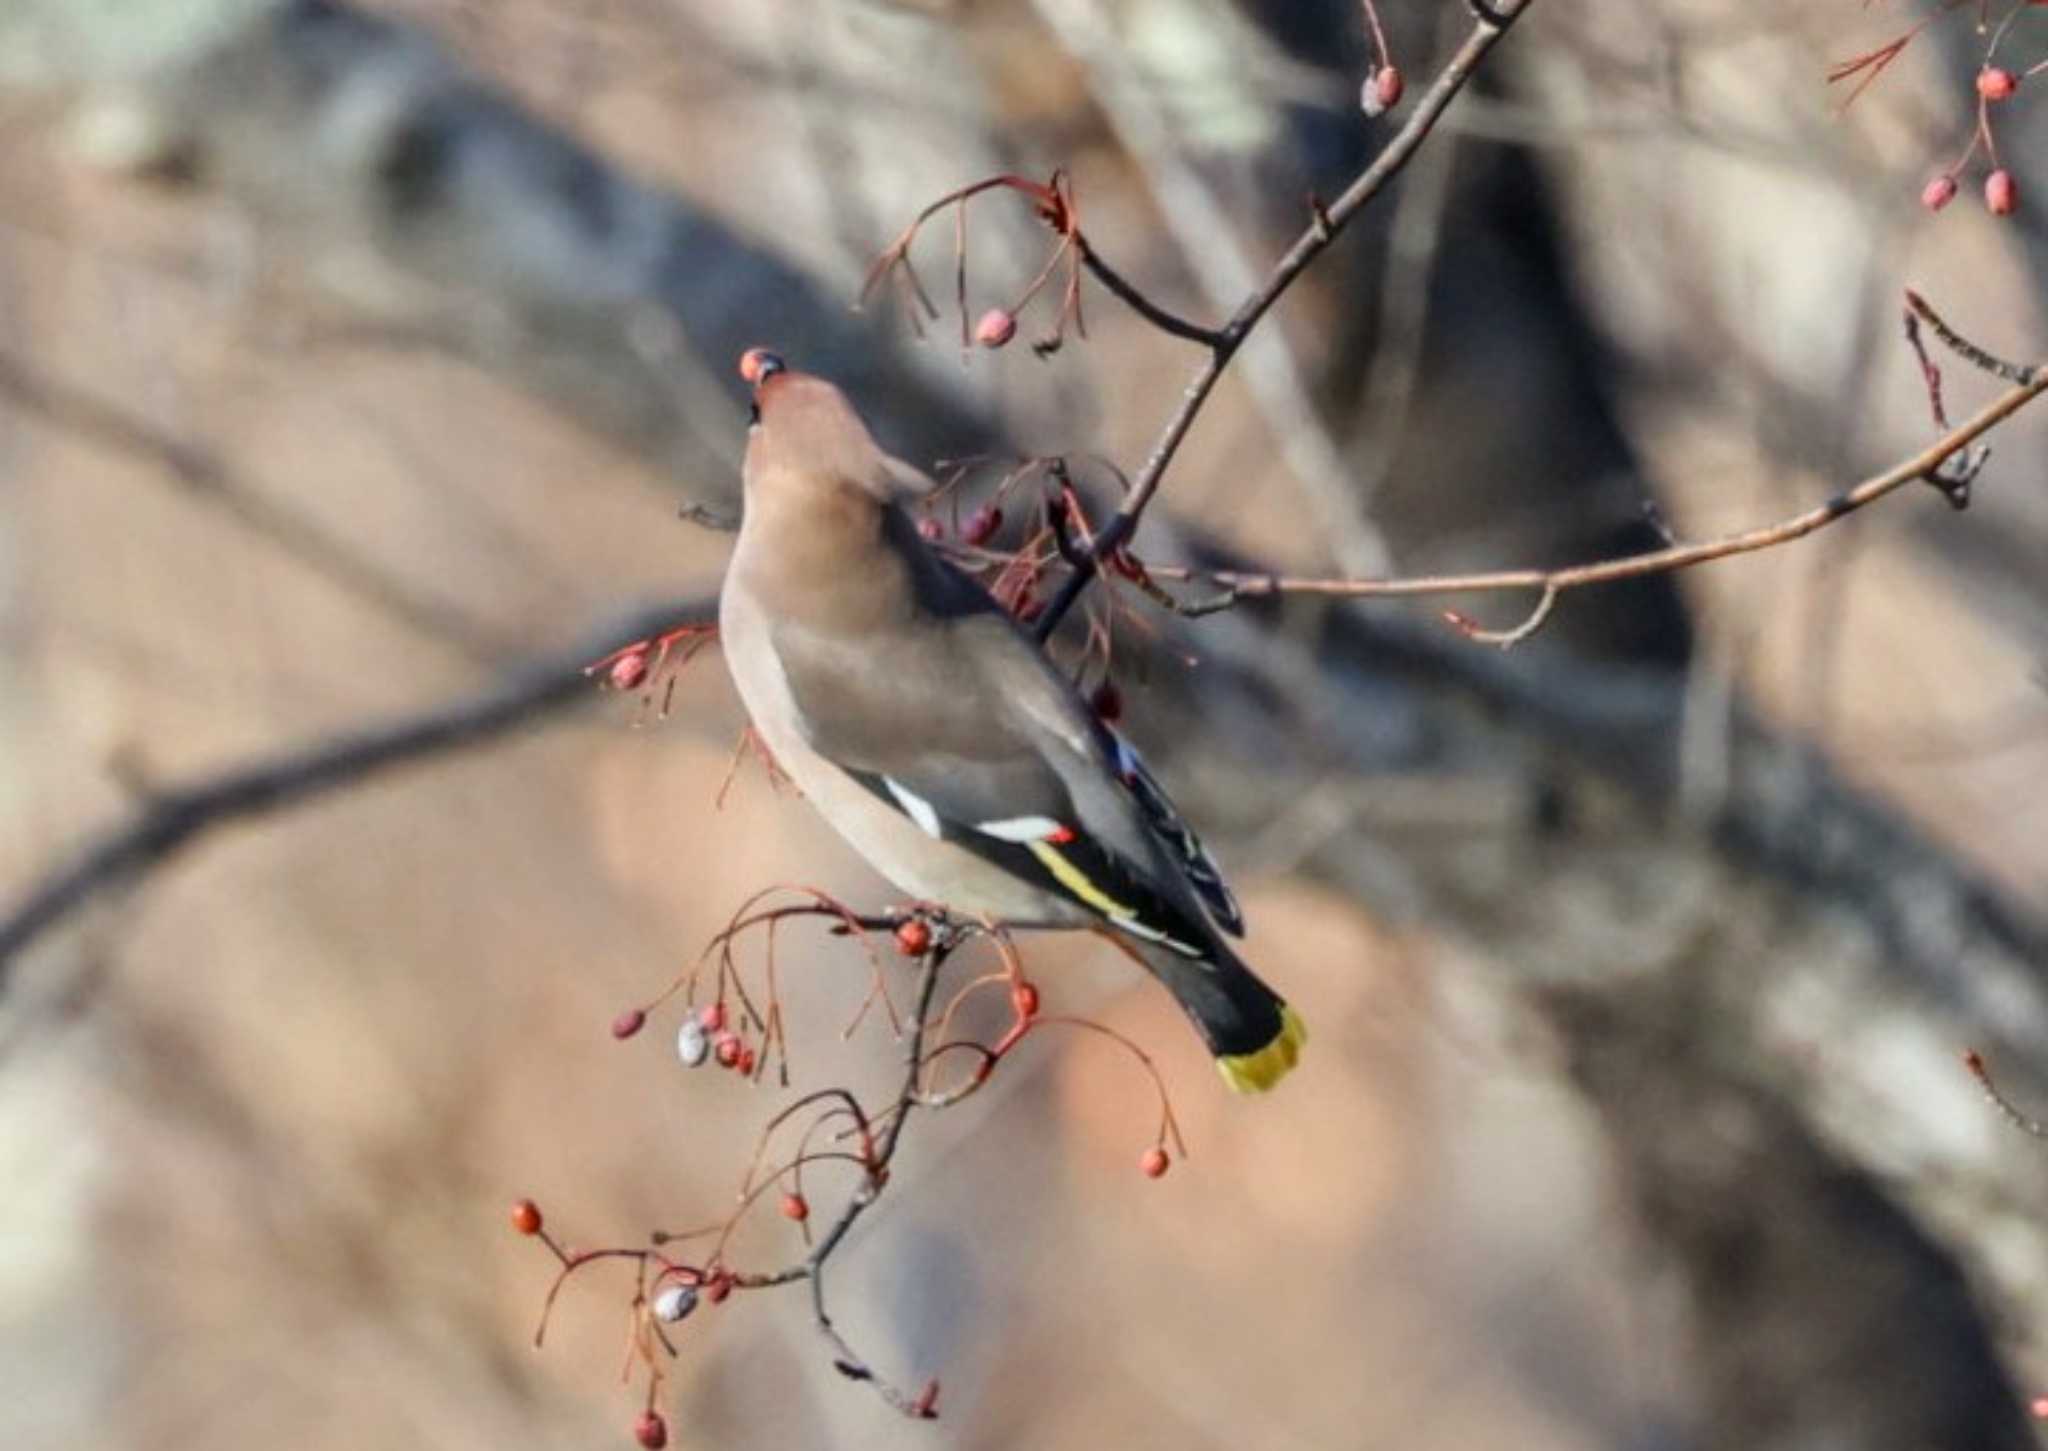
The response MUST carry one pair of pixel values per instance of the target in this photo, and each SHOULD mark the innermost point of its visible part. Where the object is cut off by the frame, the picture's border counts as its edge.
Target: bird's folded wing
(962, 728)
(1049, 848)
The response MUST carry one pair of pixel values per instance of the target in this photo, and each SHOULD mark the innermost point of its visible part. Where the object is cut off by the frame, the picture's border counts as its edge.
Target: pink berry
(629, 671)
(1389, 85)
(982, 524)
(1995, 83)
(626, 1024)
(997, 327)
(1154, 1163)
(712, 1016)
(1938, 193)
(651, 1430)
(2001, 194)
(1382, 91)
(796, 1207)
(930, 530)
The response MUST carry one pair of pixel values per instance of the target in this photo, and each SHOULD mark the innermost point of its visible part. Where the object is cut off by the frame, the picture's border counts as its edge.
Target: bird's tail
(1256, 1037)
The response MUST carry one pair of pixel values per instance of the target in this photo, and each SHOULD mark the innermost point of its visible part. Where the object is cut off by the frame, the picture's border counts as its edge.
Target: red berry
(728, 1051)
(926, 1406)
(1154, 1163)
(1029, 608)
(1108, 701)
(651, 1430)
(718, 1287)
(914, 938)
(997, 327)
(712, 1016)
(1024, 997)
(794, 1206)
(629, 671)
(746, 1063)
(2001, 194)
(1938, 193)
(526, 1217)
(756, 362)
(1995, 83)
(626, 1024)
(982, 524)
(930, 530)
(1382, 91)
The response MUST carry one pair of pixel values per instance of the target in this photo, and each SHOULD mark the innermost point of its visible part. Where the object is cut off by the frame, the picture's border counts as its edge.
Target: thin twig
(1963, 348)
(1240, 585)
(1209, 236)
(1139, 303)
(1324, 229)
(176, 818)
(2026, 1123)
(845, 1359)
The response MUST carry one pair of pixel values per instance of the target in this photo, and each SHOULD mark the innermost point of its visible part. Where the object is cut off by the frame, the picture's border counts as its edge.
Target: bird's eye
(753, 415)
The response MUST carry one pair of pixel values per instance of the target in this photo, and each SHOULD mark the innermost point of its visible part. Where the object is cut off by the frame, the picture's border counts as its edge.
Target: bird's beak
(758, 365)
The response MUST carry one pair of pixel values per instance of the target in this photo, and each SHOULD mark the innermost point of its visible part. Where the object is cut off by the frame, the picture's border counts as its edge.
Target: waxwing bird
(939, 740)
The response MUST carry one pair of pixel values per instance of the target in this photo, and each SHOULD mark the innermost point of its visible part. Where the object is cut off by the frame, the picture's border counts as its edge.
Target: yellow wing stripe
(1258, 1071)
(1076, 881)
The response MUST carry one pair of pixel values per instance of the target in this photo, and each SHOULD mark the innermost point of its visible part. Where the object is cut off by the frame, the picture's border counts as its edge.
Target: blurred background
(352, 354)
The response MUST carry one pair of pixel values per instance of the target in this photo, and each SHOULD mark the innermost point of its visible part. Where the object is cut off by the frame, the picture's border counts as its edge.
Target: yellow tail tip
(1258, 1071)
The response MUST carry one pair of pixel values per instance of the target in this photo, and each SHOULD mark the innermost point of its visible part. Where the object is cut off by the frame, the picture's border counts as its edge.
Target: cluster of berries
(2001, 192)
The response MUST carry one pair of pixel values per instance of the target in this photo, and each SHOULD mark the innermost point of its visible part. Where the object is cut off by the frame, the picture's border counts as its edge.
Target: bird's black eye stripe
(753, 414)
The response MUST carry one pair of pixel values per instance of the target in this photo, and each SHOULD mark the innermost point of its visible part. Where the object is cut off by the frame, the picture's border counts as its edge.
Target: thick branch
(176, 818)
(202, 475)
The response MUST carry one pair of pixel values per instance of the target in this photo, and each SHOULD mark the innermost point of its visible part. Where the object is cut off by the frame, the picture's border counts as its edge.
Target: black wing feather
(1094, 876)
(1203, 873)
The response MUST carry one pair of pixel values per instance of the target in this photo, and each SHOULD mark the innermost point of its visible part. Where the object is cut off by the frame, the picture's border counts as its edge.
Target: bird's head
(807, 437)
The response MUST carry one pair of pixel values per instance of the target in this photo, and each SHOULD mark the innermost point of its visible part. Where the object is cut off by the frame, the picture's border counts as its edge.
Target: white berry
(675, 1302)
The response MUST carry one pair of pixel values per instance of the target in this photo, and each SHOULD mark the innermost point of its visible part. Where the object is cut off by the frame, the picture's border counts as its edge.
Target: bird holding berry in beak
(935, 736)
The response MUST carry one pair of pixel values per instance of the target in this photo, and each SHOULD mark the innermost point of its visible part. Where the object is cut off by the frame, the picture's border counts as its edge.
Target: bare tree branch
(1322, 230)
(1209, 237)
(205, 477)
(1240, 585)
(176, 818)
